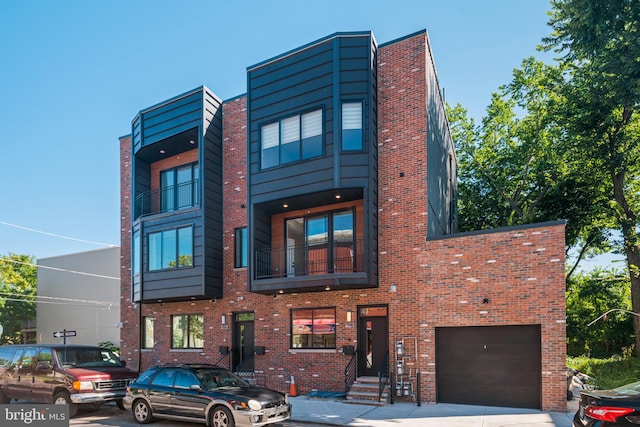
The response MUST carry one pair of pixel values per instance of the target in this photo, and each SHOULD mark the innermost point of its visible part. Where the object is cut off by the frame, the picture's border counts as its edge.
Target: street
(110, 415)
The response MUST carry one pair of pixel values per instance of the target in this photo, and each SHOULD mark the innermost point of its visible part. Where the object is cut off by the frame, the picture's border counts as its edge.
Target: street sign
(64, 334)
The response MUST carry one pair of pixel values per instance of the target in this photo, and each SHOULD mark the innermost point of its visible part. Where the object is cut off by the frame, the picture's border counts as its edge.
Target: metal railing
(166, 199)
(336, 257)
(351, 372)
(383, 376)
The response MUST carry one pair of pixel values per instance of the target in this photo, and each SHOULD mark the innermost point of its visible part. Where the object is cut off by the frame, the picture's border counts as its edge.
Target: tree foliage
(588, 297)
(600, 44)
(18, 277)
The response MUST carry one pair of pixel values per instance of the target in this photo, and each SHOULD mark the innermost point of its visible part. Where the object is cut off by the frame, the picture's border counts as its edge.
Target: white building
(79, 292)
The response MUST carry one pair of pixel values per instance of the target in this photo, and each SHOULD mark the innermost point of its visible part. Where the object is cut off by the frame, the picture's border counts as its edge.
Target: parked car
(205, 394)
(62, 374)
(618, 407)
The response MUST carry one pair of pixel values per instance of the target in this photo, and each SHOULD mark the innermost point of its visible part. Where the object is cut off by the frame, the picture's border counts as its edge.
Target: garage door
(489, 365)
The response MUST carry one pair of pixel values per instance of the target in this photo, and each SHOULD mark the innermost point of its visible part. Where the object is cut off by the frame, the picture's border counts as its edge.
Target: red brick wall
(426, 284)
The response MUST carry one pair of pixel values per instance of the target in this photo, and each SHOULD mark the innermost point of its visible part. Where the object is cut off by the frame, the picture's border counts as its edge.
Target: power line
(56, 235)
(60, 269)
(58, 300)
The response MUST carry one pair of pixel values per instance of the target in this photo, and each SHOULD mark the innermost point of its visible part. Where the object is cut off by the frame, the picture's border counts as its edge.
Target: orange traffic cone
(293, 392)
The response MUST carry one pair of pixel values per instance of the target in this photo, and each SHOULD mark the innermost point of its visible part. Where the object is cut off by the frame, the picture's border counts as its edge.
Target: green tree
(588, 296)
(18, 276)
(513, 168)
(600, 45)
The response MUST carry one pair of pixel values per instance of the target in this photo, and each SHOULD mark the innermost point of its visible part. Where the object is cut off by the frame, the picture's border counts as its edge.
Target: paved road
(110, 415)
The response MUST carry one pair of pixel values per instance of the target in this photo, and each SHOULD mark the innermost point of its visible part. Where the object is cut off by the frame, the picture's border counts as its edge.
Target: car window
(185, 379)
(145, 377)
(214, 378)
(164, 378)
(87, 357)
(6, 355)
(45, 355)
(633, 388)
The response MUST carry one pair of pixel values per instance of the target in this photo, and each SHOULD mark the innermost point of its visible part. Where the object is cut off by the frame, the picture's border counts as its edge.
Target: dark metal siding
(194, 115)
(211, 155)
(489, 365)
(320, 75)
(174, 283)
(172, 118)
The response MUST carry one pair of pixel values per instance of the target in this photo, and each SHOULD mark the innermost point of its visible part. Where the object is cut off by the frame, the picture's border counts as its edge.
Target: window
(147, 332)
(136, 254)
(164, 378)
(187, 331)
(240, 243)
(352, 126)
(291, 139)
(179, 187)
(171, 248)
(313, 328)
(321, 244)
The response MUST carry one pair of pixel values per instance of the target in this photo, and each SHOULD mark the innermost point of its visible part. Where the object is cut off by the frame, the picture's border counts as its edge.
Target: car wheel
(62, 398)
(221, 417)
(119, 404)
(142, 412)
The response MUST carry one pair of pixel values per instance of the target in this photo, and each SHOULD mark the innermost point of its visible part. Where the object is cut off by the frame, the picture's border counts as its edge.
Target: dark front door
(243, 342)
(373, 340)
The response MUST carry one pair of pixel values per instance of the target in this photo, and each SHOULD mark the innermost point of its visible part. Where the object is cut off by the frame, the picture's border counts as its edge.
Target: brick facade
(426, 283)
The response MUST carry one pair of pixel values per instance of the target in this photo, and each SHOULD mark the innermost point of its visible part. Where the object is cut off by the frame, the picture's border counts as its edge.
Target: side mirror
(195, 387)
(123, 363)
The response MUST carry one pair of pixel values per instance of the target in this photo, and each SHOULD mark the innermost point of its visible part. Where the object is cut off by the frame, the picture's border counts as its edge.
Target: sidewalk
(405, 414)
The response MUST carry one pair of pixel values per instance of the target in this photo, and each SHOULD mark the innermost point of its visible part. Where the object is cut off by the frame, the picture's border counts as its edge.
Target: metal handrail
(351, 372)
(383, 376)
(166, 199)
(224, 361)
(333, 257)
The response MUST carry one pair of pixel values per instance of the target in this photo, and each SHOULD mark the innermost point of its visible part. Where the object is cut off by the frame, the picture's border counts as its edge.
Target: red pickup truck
(62, 374)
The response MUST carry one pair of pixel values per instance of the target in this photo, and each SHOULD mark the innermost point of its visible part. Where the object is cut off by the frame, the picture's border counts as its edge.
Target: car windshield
(633, 388)
(215, 378)
(87, 357)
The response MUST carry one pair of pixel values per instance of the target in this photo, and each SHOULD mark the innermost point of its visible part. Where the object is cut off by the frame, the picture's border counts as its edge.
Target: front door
(373, 340)
(243, 342)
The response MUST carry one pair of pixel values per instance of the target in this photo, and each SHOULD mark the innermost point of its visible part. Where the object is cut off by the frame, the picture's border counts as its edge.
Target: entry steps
(364, 391)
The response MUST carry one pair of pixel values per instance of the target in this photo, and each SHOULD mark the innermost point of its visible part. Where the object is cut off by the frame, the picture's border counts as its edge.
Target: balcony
(329, 258)
(167, 199)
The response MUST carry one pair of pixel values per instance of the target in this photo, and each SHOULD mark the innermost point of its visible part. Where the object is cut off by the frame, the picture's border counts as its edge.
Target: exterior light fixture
(349, 315)
(285, 205)
(338, 196)
(327, 288)
(162, 151)
(223, 319)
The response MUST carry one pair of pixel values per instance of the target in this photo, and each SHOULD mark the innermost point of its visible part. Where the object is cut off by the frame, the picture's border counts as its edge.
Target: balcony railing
(167, 199)
(338, 257)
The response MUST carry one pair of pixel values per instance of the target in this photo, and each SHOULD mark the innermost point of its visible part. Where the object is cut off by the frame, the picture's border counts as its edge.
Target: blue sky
(75, 73)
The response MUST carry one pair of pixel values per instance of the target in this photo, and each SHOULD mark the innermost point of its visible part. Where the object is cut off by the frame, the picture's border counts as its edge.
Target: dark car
(205, 394)
(608, 408)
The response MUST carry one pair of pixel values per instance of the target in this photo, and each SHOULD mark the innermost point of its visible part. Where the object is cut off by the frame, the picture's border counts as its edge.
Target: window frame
(187, 332)
(275, 132)
(148, 340)
(312, 335)
(240, 247)
(344, 127)
(160, 258)
(170, 193)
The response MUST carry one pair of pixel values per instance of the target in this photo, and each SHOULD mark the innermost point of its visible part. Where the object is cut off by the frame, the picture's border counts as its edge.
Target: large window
(179, 187)
(321, 244)
(187, 331)
(147, 332)
(313, 328)
(291, 139)
(352, 126)
(171, 248)
(240, 250)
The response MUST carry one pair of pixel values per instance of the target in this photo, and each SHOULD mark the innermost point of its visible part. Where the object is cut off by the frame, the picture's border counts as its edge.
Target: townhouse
(306, 231)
